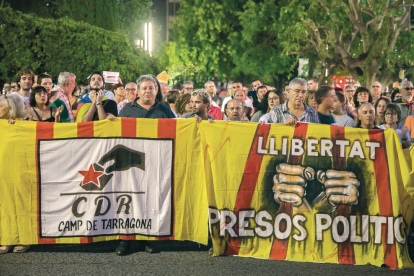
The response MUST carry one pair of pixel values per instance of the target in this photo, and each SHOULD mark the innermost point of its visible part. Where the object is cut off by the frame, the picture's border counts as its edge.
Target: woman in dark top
(361, 95)
(40, 109)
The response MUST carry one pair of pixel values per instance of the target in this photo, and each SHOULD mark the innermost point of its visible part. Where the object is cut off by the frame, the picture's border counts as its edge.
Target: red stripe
(129, 127)
(43, 131)
(248, 183)
(167, 129)
(345, 250)
(280, 247)
(85, 130)
(384, 194)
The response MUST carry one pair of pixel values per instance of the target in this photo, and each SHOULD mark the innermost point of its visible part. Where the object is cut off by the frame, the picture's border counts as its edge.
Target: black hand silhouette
(124, 158)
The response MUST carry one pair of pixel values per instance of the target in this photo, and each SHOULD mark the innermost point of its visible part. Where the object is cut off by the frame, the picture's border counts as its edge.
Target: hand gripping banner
(88, 182)
(313, 193)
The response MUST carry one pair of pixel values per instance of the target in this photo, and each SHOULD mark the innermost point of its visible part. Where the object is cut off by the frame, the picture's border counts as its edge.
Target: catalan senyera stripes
(232, 170)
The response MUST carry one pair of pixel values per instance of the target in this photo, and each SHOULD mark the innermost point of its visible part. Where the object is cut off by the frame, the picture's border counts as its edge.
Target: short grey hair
(405, 83)
(16, 104)
(189, 82)
(130, 83)
(378, 83)
(146, 78)
(298, 81)
(366, 103)
(64, 77)
(202, 93)
(205, 85)
(350, 86)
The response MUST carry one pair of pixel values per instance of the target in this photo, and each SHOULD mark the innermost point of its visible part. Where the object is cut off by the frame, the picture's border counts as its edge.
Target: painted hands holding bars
(341, 187)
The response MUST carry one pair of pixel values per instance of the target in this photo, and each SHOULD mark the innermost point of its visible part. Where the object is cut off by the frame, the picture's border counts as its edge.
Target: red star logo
(91, 176)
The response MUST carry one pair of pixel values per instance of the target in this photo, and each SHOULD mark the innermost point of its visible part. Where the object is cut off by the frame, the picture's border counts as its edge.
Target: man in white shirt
(237, 85)
(131, 94)
(25, 79)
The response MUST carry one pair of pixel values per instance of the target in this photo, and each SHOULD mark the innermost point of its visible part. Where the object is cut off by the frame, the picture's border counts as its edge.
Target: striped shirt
(279, 114)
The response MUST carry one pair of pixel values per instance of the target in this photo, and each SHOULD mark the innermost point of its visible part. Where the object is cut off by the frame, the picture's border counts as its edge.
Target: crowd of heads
(29, 95)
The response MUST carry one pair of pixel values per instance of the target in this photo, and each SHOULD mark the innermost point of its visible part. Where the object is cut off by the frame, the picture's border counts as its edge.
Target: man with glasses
(235, 111)
(65, 85)
(294, 110)
(188, 87)
(376, 88)
(131, 94)
(406, 102)
(349, 93)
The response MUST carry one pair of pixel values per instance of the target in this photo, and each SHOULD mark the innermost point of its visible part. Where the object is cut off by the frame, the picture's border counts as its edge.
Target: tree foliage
(226, 39)
(371, 40)
(54, 46)
(125, 16)
(101, 13)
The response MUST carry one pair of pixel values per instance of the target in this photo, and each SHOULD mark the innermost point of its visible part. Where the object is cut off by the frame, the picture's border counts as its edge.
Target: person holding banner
(235, 111)
(294, 110)
(270, 100)
(200, 103)
(11, 108)
(147, 106)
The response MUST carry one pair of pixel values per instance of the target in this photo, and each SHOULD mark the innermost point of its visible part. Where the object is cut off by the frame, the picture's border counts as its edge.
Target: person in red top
(215, 112)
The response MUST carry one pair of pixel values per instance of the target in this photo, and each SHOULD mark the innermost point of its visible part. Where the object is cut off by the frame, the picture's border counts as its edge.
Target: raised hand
(58, 113)
(99, 96)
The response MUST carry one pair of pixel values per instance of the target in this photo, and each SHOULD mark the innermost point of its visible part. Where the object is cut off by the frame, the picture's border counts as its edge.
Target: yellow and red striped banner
(19, 184)
(370, 223)
(309, 193)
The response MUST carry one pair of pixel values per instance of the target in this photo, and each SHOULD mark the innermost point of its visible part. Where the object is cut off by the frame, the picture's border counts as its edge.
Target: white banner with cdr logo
(105, 186)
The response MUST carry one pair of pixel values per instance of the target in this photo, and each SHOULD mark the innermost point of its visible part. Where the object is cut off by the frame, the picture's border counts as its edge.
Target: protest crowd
(44, 99)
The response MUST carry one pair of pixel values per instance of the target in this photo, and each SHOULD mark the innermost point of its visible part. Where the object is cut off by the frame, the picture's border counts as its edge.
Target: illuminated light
(150, 39)
(333, 77)
(146, 36)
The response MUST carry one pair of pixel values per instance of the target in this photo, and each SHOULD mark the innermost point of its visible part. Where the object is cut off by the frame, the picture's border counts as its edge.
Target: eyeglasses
(235, 109)
(273, 99)
(409, 88)
(129, 90)
(349, 91)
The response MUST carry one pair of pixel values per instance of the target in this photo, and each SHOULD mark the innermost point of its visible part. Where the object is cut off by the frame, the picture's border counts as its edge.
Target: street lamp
(148, 38)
